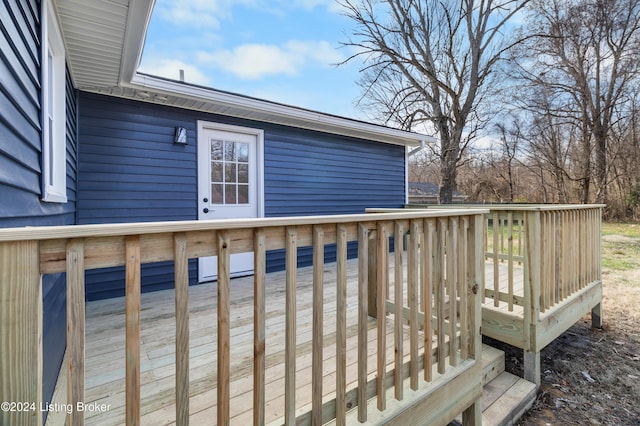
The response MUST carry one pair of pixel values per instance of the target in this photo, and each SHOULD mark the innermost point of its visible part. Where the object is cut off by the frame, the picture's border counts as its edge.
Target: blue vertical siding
(130, 170)
(20, 161)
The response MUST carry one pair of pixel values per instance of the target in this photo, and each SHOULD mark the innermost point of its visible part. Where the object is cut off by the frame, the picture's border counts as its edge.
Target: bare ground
(592, 376)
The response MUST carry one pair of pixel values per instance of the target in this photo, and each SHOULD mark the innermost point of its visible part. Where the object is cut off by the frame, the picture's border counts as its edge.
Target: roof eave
(272, 112)
(136, 32)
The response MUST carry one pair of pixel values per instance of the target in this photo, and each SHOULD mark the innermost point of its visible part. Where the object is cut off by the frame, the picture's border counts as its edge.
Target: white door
(228, 185)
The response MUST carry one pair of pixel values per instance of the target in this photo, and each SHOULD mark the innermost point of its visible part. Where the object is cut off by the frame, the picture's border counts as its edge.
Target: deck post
(532, 290)
(475, 291)
(596, 312)
(532, 366)
(472, 416)
(21, 331)
(596, 318)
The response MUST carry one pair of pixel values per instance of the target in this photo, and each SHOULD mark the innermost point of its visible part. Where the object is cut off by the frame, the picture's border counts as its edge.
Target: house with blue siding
(86, 139)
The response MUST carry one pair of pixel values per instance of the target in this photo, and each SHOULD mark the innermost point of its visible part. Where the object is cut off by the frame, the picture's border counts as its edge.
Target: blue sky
(279, 50)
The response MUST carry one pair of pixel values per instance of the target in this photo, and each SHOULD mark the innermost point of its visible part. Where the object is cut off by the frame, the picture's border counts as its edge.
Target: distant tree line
(532, 101)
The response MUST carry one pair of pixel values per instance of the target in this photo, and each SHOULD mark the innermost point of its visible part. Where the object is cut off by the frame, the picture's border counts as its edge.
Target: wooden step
(492, 363)
(505, 399)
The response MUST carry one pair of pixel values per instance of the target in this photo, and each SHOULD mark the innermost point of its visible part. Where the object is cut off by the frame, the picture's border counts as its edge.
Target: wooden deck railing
(443, 270)
(558, 248)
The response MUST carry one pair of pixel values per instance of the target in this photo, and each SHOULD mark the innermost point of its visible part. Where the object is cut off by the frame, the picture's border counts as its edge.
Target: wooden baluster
(224, 329)
(413, 269)
(496, 266)
(382, 277)
(290, 332)
(427, 295)
(544, 243)
(363, 319)
(557, 256)
(317, 340)
(259, 345)
(439, 292)
(564, 290)
(510, 260)
(520, 235)
(75, 330)
(181, 278)
(132, 315)
(573, 249)
(341, 326)
(452, 282)
(463, 286)
(398, 304)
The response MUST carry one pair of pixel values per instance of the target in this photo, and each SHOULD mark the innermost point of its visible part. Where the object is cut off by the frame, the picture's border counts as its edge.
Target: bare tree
(584, 54)
(510, 137)
(431, 63)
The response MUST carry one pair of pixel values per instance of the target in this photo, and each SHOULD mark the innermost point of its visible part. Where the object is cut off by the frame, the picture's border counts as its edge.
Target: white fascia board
(138, 17)
(279, 112)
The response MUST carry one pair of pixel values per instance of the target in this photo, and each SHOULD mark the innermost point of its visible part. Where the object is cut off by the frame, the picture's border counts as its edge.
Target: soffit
(103, 39)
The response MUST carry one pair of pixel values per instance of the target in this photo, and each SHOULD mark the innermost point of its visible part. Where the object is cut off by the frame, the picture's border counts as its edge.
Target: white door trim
(258, 133)
(240, 261)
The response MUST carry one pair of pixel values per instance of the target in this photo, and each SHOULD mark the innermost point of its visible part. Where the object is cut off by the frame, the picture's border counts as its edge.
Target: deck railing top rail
(507, 207)
(123, 229)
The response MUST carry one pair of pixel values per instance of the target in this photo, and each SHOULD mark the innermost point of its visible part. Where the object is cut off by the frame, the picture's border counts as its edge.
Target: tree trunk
(586, 168)
(601, 167)
(450, 149)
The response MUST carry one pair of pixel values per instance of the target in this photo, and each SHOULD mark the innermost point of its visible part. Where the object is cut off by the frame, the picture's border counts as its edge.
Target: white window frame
(54, 132)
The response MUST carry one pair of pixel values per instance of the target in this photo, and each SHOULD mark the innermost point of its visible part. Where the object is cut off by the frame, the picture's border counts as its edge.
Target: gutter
(423, 145)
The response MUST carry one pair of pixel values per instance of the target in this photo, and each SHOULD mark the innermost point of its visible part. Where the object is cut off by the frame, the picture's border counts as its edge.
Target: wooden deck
(105, 372)
(105, 350)
(308, 344)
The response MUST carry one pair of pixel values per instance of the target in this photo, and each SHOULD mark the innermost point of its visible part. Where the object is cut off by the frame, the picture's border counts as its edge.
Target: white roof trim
(135, 33)
(273, 112)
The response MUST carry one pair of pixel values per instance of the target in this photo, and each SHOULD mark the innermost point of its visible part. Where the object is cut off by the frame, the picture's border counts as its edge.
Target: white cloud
(253, 61)
(331, 5)
(210, 13)
(197, 13)
(170, 68)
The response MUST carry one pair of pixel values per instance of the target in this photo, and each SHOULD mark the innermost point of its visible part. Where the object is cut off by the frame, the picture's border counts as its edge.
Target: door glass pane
(230, 173)
(216, 194)
(229, 151)
(216, 171)
(243, 152)
(243, 173)
(230, 194)
(216, 150)
(243, 194)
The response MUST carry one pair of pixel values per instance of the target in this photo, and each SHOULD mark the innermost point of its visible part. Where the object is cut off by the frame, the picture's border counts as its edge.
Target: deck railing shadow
(443, 268)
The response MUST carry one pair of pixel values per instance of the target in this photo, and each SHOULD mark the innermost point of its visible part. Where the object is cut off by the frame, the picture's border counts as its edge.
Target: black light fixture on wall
(180, 136)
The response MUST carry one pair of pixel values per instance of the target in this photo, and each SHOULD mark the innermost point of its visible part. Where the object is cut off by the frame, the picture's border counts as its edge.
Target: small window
(54, 144)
